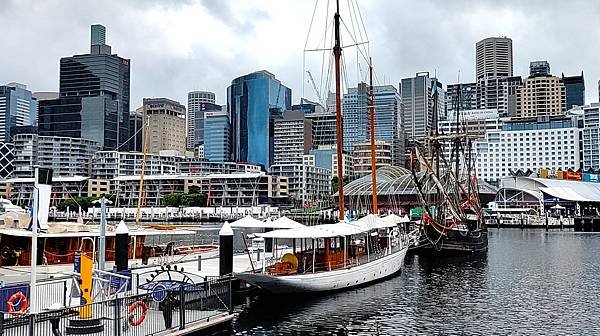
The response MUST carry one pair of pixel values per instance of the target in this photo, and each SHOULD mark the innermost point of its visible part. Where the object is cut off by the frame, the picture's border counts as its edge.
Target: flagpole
(34, 234)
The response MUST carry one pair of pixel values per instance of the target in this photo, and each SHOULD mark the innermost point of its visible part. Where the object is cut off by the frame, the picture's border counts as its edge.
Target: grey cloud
(406, 36)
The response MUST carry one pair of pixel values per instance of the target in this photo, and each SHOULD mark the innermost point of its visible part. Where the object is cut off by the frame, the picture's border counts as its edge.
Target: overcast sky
(178, 46)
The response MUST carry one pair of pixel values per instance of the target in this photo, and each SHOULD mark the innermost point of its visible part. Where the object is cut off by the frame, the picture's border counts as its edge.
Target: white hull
(339, 279)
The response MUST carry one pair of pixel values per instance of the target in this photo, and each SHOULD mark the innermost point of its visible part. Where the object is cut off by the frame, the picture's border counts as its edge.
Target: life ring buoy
(133, 308)
(15, 300)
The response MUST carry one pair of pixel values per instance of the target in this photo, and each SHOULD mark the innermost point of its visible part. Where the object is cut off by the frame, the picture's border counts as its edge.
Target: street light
(102, 239)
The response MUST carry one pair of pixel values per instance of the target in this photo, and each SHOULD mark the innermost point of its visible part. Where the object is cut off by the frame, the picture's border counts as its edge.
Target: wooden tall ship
(443, 170)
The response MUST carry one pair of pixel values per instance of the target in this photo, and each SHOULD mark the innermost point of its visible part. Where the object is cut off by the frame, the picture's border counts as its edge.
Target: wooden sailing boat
(342, 255)
(447, 188)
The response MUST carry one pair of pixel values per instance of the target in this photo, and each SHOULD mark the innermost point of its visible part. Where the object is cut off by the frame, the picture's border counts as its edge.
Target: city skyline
(175, 57)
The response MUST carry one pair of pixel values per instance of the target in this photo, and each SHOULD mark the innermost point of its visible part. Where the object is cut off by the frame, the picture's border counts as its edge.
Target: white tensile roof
(280, 223)
(286, 223)
(328, 230)
(247, 222)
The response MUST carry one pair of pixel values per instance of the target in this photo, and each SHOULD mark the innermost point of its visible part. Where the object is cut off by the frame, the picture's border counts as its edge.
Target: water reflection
(530, 282)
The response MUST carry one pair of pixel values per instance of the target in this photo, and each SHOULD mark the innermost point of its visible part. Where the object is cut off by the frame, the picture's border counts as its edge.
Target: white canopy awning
(317, 231)
(372, 222)
(581, 194)
(395, 219)
(343, 228)
(286, 223)
(249, 222)
(305, 232)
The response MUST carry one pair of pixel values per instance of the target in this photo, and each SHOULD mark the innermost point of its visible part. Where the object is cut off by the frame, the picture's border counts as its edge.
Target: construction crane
(312, 81)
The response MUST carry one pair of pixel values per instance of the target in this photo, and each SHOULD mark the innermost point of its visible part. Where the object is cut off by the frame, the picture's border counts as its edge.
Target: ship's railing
(150, 313)
(305, 264)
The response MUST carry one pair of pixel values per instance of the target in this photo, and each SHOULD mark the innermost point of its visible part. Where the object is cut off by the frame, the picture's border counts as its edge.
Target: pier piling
(225, 250)
(122, 247)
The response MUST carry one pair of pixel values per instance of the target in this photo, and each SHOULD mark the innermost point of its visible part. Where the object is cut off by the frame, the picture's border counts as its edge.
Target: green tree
(74, 203)
(173, 199)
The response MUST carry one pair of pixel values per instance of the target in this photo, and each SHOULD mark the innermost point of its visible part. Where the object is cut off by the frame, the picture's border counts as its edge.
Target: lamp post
(102, 238)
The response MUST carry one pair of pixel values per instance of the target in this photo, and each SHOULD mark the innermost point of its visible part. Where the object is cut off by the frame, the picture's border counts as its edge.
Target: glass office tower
(94, 97)
(253, 102)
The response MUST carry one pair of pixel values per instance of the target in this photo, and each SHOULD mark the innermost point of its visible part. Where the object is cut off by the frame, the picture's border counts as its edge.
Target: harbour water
(530, 282)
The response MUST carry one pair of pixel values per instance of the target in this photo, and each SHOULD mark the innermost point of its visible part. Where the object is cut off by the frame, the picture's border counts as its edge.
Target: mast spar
(372, 122)
(337, 53)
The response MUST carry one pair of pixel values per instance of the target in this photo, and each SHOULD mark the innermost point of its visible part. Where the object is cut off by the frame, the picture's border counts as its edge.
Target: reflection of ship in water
(448, 191)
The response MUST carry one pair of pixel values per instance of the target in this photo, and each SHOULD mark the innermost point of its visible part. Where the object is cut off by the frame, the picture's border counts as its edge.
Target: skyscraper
(94, 97)
(356, 115)
(418, 105)
(494, 58)
(217, 137)
(253, 103)
(197, 106)
(17, 108)
(388, 124)
(465, 93)
(574, 90)
(494, 66)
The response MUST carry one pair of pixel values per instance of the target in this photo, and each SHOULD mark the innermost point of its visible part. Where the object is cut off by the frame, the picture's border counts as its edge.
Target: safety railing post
(181, 307)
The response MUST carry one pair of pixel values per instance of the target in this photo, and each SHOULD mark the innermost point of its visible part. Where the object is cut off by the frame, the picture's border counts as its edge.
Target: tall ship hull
(456, 242)
(340, 279)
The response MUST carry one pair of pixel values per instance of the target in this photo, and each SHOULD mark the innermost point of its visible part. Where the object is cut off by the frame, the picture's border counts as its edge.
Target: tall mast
(337, 53)
(145, 149)
(457, 144)
(372, 122)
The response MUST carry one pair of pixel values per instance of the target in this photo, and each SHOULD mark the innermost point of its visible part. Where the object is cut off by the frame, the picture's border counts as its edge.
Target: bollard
(225, 250)
(122, 247)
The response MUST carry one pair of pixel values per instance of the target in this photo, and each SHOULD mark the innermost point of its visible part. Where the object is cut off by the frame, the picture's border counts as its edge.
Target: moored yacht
(332, 257)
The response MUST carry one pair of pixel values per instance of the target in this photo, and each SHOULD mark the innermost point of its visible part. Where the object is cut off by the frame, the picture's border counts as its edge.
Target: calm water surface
(529, 283)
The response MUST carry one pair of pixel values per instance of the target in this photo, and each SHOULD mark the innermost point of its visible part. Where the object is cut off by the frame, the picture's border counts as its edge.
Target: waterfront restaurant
(572, 196)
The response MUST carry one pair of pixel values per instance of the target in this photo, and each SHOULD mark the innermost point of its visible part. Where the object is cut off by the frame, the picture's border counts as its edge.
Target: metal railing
(149, 313)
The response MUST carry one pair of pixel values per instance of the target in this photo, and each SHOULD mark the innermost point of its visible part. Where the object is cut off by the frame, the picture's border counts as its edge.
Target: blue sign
(159, 292)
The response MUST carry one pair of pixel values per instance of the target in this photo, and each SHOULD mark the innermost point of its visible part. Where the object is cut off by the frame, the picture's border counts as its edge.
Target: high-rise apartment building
(324, 128)
(541, 95)
(198, 103)
(574, 90)
(166, 124)
(217, 136)
(94, 97)
(17, 108)
(66, 156)
(494, 58)
(293, 137)
(417, 110)
(306, 182)
(254, 101)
